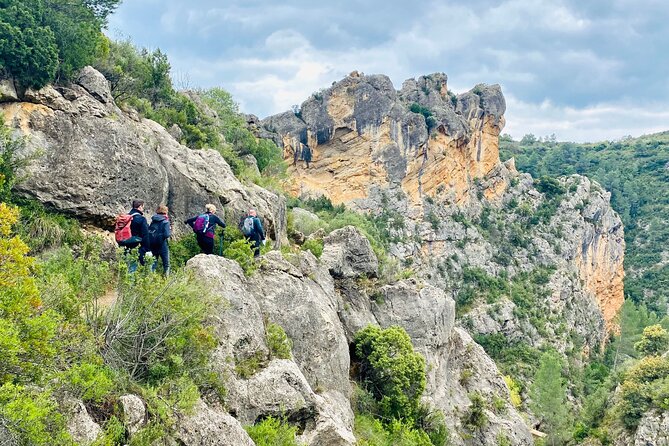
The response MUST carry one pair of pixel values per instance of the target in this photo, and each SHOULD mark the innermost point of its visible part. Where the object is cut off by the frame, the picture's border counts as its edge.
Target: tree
(28, 49)
(44, 40)
(391, 370)
(548, 395)
(654, 341)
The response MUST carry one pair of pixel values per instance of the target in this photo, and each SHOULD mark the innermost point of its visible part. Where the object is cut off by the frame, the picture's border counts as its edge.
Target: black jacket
(162, 224)
(213, 221)
(139, 227)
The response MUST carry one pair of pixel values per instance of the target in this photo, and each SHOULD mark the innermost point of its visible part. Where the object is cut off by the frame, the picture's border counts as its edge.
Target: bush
(272, 432)
(32, 415)
(371, 432)
(155, 329)
(475, 418)
(654, 341)
(278, 341)
(391, 370)
(641, 388)
(241, 252)
(315, 246)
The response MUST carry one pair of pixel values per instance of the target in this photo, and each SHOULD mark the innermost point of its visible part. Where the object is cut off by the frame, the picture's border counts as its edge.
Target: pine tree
(549, 401)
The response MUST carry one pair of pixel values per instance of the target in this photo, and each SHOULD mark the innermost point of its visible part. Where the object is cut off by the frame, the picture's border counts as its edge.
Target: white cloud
(598, 122)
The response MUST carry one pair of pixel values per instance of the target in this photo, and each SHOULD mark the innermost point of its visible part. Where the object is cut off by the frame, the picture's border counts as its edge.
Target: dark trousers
(255, 244)
(163, 254)
(206, 244)
(130, 257)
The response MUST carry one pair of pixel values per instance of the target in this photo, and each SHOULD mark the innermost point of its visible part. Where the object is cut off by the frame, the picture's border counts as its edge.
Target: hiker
(306, 154)
(159, 231)
(203, 226)
(252, 229)
(132, 231)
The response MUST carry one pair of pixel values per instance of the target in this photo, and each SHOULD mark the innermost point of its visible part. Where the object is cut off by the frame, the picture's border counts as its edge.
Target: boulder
(134, 413)
(210, 427)
(8, 91)
(95, 84)
(278, 390)
(80, 425)
(348, 254)
(95, 159)
(251, 163)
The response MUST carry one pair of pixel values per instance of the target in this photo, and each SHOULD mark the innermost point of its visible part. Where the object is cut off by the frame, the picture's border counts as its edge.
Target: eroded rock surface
(94, 159)
(365, 135)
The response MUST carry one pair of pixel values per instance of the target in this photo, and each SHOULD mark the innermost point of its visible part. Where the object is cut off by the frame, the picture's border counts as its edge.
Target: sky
(583, 70)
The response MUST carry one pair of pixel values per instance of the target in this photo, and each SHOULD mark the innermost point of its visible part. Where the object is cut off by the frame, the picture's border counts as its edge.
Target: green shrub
(278, 341)
(32, 416)
(156, 328)
(391, 370)
(638, 391)
(475, 418)
(241, 252)
(654, 341)
(89, 382)
(272, 432)
(315, 246)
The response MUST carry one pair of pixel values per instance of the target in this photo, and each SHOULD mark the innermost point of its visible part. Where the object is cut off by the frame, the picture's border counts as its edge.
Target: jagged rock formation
(365, 138)
(431, 159)
(320, 311)
(95, 158)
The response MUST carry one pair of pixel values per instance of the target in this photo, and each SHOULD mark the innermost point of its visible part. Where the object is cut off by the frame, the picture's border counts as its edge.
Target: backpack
(156, 235)
(201, 224)
(248, 228)
(122, 231)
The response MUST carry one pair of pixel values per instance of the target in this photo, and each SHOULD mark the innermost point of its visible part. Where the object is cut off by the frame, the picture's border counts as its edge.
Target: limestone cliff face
(365, 136)
(432, 157)
(94, 158)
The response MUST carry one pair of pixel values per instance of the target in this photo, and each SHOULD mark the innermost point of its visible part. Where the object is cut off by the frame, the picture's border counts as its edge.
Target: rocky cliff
(94, 159)
(460, 217)
(365, 137)
(431, 159)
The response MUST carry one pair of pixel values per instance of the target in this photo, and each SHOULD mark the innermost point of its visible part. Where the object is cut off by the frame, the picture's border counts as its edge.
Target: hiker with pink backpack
(203, 226)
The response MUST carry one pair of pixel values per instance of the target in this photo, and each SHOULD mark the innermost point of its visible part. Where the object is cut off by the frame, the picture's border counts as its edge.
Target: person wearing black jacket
(205, 240)
(257, 233)
(139, 229)
(161, 230)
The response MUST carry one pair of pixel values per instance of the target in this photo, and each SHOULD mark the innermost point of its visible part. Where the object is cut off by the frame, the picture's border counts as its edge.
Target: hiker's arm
(220, 222)
(168, 229)
(190, 221)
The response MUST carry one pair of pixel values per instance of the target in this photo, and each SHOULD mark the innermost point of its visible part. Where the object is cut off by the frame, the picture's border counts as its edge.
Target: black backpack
(156, 235)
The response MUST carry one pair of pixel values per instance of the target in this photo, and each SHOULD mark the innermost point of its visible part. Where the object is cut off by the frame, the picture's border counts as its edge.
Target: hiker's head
(138, 204)
(253, 213)
(210, 208)
(162, 209)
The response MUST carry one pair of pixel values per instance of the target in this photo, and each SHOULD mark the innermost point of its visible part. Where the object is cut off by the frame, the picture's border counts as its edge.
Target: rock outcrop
(92, 159)
(366, 136)
(321, 309)
(430, 159)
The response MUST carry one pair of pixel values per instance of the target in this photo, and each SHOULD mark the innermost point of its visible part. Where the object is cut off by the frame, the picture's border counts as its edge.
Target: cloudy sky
(584, 70)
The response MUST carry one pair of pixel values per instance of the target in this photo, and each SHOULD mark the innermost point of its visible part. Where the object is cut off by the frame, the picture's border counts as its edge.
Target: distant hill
(636, 172)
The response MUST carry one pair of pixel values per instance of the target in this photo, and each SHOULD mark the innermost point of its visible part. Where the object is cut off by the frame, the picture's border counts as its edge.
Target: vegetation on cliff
(42, 41)
(635, 171)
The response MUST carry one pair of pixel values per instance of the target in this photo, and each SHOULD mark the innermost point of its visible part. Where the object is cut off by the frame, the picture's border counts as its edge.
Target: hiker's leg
(256, 252)
(208, 245)
(130, 260)
(142, 253)
(165, 255)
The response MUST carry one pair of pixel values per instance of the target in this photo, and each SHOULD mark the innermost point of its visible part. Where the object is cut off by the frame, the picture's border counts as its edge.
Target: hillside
(635, 171)
(415, 289)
